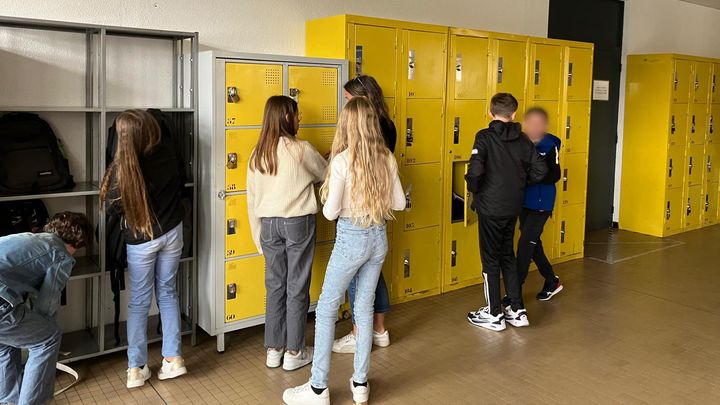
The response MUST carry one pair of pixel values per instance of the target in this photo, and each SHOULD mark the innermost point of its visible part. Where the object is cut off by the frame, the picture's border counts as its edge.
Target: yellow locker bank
(233, 90)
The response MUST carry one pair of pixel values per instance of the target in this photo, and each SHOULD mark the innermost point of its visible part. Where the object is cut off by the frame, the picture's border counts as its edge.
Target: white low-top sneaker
(172, 369)
(381, 339)
(137, 376)
(274, 357)
(361, 393)
(482, 318)
(517, 318)
(345, 344)
(304, 395)
(295, 361)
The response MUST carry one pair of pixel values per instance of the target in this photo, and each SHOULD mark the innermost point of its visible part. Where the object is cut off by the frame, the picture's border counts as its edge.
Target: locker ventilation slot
(273, 76)
(329, 113)
(329, 79)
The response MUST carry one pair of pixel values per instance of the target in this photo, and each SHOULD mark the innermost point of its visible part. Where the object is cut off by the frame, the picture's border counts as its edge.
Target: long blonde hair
(137, 135)
(369, 162)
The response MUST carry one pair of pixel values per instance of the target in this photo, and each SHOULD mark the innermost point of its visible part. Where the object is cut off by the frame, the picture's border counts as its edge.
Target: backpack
(31, 157)
(22, 216)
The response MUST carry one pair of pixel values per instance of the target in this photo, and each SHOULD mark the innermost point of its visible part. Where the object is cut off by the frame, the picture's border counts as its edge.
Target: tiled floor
(642, 330)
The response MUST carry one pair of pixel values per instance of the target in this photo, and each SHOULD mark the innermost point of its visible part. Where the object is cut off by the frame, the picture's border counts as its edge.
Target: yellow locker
(315, 90)
(510, 63)
(678, 124)
(238, 238)
(702, 82)
(694, 199)
(239, 144)
(579, 82)
(571, 223)
(712, 164)
(574, 178)
(423, 131)
(423, 187)
(464, 254)
(471, 67)
(713, 136)
(319, 265)
(247, 87)
(577, 127)
(715, 92)
(546, 72)
(675, 167)
(710, 213)
(418, 265)
(468, 118)
(697, 122)
(553, 110)
(682, 75)
(674, 210)
(375, 55)
(320, 137)
(695, 165)
(424, 64)
(324, 229)
(244, 288)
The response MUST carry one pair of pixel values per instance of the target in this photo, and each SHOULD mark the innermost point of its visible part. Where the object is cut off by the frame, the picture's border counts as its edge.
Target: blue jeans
(358, 253)
(154, 264)
(22, 328)
(382, 297)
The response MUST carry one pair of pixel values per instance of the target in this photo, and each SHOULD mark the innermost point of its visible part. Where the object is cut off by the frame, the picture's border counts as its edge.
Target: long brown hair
(137, 134)
(371, 164)
(366, 86)
(278, 121)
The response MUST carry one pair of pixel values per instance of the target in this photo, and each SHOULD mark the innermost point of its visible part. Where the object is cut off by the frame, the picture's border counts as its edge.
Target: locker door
(553, 110)
(467, 121)
(678, 124)
(423, 131)
(571, 230)
(579, 80)
(464, 254)
(713, 134)
(546, 72)
(697, 123)
(238, 238)
(695, 165)
(574, 178)
(675, 169)
(316, 91)
(423, 187)
(702, 82)
(244, 288)
(577, 127)
(710, 213)
(714, 90)
(695, 204)
(320, 137)
(239, 144)
(247, 88)
(712, 164)
(424, 64)
(319, 265)
(682, 75)
(674, 210)
(375, 55)
(511, 67)
(471, 67)
(418, 266)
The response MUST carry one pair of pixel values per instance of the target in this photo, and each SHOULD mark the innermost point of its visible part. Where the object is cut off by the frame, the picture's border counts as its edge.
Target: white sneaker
(295, 361)
(484, 319)
(361, 393)
(172, 369)
(517, 318)
(137, 376)
(345, 344)
(381, 339)
(304, 395)
(274, 357)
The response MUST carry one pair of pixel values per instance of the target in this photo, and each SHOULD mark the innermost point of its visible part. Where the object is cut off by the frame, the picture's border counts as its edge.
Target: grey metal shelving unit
(97, 337)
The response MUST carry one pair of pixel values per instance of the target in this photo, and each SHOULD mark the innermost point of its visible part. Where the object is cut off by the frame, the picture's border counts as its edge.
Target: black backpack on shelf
(22, 216)
(31, 157)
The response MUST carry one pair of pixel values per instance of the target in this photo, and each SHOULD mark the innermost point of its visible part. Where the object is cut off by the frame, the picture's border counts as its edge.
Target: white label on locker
(458, 68)
(601, 90)
(411, 64)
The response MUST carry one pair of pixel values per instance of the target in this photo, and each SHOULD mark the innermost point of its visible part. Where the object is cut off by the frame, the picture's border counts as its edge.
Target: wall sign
(601, 90)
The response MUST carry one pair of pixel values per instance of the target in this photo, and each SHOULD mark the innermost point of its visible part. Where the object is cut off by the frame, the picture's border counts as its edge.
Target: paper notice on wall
(601, 90)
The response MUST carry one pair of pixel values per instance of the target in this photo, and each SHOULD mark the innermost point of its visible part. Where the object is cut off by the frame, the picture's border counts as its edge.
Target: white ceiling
(707, 3)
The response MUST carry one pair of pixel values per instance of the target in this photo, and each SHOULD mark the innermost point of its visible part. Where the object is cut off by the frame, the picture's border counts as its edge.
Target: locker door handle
(358, 60)
(667, 211)
(672, 125)
(692, 128)
(709, 164)
(408, 198)
(707, 202)
(411, 64)
(690, 165)
(570, 74)
(697, 82)
(565, 179)
(562, 232)
(670, 167)
(409, 139)
(568, 128)
(537, 72)
(711, 128)
(713, 84)
(500, 69)
(458, 67)
(456, 131)
(231, 291)
(294, 94)
(453, 254)
(675, 80)
(232, 160)
(689, 207)
(231, 226)
(406, 264)
(232, 95)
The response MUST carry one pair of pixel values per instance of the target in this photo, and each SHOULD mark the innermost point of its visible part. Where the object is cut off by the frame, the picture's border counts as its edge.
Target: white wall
(664, 26)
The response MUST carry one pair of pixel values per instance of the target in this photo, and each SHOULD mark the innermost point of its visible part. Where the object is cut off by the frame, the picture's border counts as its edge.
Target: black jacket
(503, 162)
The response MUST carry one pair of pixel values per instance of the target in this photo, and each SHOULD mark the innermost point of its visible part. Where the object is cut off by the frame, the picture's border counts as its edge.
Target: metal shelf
(85, 267)
(46, 25)
(78, 345)
(51, 109)
(82, 188)
(164, 109)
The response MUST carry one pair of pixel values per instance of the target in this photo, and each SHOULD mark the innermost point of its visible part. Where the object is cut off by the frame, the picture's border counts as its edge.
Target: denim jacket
(36, 265)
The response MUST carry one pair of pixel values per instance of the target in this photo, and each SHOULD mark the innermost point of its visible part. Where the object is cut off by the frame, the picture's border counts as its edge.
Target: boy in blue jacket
(538, 205)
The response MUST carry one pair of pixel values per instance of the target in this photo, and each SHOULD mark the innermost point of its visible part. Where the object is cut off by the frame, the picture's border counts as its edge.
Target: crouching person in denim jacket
(34, 268)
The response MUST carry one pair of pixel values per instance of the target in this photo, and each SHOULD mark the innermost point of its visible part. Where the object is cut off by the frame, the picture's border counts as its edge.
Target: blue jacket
(541, 196)
(36, 265)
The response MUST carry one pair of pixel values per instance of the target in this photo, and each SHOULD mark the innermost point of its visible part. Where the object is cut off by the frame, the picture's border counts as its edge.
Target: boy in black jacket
(503, 162)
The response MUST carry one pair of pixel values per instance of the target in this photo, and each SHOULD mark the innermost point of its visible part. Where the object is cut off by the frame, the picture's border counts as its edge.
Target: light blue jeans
(358, 252)
(154, 264)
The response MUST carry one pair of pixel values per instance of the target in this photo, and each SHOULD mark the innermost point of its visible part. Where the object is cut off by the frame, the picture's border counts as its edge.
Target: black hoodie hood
(506, 131)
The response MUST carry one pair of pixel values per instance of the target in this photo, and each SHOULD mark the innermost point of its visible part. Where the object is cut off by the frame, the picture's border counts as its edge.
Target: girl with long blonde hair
(362, 188)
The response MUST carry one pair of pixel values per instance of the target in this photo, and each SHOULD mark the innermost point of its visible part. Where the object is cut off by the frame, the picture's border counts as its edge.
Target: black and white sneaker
(482, 318)
(549, 291)
(517, 318)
